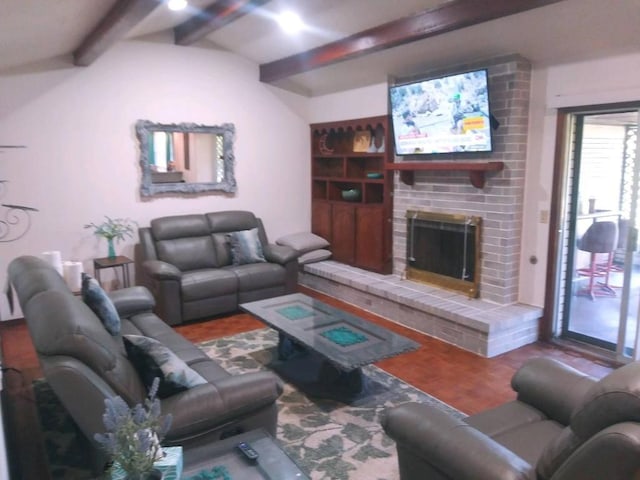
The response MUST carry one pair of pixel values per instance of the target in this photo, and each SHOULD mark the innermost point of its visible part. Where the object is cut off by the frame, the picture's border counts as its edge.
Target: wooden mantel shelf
(476, 170)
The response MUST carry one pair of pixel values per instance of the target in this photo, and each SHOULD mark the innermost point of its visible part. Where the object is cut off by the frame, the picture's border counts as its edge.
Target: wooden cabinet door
(321, 219)
(343, 239)
(369, 237)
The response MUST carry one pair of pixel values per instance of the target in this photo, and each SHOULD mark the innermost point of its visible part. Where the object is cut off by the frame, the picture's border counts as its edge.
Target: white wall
(369, 101)
(81, 160)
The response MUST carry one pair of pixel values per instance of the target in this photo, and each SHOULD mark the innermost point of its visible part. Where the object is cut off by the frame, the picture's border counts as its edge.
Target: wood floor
(459, 378)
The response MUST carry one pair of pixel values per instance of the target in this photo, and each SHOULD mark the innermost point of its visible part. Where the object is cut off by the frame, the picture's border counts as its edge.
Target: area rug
(328, 439)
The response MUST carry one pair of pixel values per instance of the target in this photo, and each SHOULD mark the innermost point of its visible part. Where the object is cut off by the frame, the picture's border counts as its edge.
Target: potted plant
(134, 434)
(113, 229)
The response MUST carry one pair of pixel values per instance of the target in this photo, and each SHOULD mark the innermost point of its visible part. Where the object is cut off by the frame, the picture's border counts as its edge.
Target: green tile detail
(344, 336)
(216, 473)
(294, 312)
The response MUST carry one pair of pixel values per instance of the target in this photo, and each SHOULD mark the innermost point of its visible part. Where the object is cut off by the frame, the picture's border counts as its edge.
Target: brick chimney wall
(500, 202)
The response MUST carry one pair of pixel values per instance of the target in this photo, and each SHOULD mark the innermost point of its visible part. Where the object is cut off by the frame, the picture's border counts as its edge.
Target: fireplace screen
(444, 249)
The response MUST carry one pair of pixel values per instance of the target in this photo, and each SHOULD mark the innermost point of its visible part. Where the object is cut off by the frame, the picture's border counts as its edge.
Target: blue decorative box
(170, 465)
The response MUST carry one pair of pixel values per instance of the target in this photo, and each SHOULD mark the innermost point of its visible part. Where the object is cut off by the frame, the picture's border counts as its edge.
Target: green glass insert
(294, 312)
(344, 336)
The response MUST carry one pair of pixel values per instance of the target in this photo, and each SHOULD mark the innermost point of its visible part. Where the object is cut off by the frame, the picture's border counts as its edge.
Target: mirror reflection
(185, 157)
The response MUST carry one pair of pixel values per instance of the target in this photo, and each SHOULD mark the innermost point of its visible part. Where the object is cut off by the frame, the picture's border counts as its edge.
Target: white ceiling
(572, 30)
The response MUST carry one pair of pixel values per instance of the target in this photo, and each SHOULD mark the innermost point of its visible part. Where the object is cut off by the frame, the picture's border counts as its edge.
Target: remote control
(247, 451)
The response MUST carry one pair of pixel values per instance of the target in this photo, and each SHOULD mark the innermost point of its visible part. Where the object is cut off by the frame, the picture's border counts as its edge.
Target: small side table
(119, 261)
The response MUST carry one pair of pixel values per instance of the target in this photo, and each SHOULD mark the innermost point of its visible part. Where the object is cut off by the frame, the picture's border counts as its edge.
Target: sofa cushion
(189, 253)
(152, 359)
(212, 282)
(529, 440)
(179, 226)
(246, 247)
(303, 242)
(503, 418)
(231, 221)
(71, 329)
(258, 276)
(98, 300)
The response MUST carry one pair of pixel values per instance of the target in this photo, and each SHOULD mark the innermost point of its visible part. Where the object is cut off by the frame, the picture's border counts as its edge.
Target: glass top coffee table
(322, 348)
(222, 460)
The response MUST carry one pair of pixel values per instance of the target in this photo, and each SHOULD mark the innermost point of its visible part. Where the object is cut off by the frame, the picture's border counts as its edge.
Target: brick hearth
(482, 327)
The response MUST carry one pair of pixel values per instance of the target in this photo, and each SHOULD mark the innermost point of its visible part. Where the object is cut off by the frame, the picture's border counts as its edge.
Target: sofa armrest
(159, 270)
(205, 407)
(132, 300)
(427, 435)
(281, 254)
(612, 453)
(551, 387)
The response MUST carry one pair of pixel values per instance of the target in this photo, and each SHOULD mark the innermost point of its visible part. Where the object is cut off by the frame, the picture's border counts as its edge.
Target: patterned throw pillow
(152, 359)
(98, 301)
(246, 247)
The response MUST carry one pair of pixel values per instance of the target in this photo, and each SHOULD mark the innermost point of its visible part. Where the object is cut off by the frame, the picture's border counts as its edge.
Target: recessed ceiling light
(290, 22)
(177, 4)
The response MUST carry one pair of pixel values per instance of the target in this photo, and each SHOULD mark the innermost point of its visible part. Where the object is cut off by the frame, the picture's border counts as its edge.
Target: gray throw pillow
(246, 247)
(152, 359)
(98, 301)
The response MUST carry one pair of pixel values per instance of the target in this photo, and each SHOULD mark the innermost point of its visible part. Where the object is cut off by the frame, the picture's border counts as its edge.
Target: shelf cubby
(319, 190)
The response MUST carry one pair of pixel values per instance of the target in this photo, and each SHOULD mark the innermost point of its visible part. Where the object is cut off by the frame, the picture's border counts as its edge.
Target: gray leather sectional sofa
(85, 364)
(187, 263)
(563, 425)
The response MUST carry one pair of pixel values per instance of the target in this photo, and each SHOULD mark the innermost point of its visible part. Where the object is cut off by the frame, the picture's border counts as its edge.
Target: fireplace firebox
(444, 249)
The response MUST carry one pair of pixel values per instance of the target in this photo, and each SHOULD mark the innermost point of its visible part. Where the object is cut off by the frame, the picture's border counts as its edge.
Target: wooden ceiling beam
(212, 18)
(122, 17)
(453, 15)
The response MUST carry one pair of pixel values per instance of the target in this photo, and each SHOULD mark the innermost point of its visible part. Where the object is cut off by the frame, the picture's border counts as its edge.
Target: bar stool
(600, 238)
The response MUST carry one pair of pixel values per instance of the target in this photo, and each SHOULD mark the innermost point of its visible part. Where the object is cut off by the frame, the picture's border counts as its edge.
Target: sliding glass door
(601, 301)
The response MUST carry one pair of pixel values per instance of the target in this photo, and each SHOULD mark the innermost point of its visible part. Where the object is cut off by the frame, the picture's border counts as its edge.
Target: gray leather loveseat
(85, 364)
(563, 425)
(188, 263)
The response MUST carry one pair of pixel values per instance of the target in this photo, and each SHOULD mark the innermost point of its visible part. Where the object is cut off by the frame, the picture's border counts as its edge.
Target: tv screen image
(442, 115)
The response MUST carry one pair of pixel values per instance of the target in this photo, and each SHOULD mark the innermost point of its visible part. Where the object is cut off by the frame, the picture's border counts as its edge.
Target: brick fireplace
(493, 322)
(444, 249)
(499, 203)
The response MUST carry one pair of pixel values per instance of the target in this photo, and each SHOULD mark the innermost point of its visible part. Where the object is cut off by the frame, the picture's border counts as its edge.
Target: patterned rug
(328, 439)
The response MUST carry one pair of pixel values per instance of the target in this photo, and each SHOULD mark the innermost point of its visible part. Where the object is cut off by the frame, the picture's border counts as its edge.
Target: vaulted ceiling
(346, 43)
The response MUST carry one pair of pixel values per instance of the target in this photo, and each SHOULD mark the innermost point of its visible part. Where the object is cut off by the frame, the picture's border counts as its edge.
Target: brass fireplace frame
(471, 288)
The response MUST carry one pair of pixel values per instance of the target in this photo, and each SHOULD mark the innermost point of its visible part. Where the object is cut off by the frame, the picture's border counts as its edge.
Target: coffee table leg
(347, 384)
(287, 348)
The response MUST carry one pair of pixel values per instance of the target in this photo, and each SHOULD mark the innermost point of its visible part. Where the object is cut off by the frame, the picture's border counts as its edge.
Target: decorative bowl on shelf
(351, 195)
(374, 175)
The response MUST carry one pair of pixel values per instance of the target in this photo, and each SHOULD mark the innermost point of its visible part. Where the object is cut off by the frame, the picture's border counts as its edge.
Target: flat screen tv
(447, 114)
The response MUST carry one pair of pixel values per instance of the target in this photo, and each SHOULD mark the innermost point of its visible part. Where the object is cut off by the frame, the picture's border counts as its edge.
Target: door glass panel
(603, 265)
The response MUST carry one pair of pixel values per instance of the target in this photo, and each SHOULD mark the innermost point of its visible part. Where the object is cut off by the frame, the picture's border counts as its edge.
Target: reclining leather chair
(85, 364)
(187, 265)
(563, 425)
